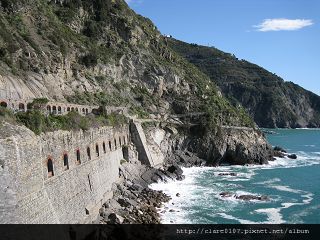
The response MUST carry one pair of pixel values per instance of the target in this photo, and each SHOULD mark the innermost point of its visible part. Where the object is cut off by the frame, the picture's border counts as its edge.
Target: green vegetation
(37, 121)
(271, 101)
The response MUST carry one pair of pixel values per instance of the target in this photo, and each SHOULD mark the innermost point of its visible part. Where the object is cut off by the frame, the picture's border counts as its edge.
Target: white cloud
(279, 24)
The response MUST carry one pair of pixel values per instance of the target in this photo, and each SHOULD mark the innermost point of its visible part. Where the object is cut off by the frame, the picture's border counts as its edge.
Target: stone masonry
(58, 177)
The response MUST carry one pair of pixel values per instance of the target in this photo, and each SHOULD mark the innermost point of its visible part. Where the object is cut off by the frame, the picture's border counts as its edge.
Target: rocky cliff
(270, 100)
(101, 52)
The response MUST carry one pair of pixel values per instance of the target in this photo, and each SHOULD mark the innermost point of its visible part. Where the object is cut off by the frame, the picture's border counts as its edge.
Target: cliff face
(101, 52)
(270, 100)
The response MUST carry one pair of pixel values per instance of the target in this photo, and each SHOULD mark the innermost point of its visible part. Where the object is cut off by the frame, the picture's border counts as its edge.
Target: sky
(283, 36)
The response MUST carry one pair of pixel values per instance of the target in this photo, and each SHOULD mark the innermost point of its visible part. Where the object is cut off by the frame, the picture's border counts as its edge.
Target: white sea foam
(273, 214)
(273, 180)
(230, 217)
(285, 188)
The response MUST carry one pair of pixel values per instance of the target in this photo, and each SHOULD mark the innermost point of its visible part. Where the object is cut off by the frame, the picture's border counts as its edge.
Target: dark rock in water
(175, 169)
(252, 197)
(181, 177)
(292, 156)
(226, 194)
(227, 174)
(278, 154)
(279, 149)
(178, 194)
(269, 132)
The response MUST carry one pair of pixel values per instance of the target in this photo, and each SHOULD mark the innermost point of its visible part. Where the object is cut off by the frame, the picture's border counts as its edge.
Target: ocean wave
(273, 214)
(230, 217)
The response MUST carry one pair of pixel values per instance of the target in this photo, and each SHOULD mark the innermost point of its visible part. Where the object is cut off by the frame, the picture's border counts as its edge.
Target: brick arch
(50, 167)
(104, 147)
(88, 153)
(78, 156)
(21, 106)
(97, 150)
(110, 146)
(3, 104)
(65, 158)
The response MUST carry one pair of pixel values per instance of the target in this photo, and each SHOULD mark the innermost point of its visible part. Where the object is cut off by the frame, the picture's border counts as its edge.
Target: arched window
(3, 104)
(83, 110)
(59, 110)
(78, 156)
(21, 107)
(49, 108)
(72, 109)
(88, 153)
(65, 161)
(97, 150)
(104, 147)
(68, 109)
(110, 146)
(115, 144)
(54, 109)
(50, 168)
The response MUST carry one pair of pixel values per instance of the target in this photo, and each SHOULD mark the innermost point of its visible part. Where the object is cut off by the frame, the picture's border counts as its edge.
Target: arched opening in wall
(50, 167)
(110, 146)
(115, 144)
(68, 109)
(78, 156)
(77, 110)
(104, 147)
(83, 111)
(124, 140)
(97, 150)
(59, 110)
(54, 110)
(65, 161)
(88, 153)
(21, 107)
(120, 143)
(72, 109)
(49, 108)
(3, 104)
(87, 111)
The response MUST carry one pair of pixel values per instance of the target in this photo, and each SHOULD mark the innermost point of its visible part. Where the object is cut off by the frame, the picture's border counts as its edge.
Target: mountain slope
(270, 100)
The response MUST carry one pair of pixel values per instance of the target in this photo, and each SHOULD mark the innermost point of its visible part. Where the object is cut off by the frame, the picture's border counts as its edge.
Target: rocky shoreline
(133, 201)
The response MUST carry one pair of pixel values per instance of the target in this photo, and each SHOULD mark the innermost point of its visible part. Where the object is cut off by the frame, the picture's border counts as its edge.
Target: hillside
(101, 52)
(270, 100)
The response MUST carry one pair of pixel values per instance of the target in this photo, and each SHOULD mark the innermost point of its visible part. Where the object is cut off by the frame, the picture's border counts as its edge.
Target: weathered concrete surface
(75, 193)
(145, 155)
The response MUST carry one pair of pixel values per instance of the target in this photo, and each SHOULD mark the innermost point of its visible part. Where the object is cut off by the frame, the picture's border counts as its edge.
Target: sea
(292, 187)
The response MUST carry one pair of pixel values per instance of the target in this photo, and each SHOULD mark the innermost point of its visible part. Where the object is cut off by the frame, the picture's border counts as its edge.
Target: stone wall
(79, 183)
